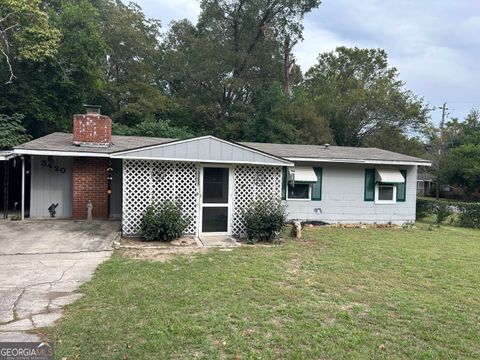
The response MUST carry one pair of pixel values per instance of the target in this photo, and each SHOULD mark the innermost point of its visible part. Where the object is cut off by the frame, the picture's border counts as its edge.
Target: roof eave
(22, 151)
(360, 161)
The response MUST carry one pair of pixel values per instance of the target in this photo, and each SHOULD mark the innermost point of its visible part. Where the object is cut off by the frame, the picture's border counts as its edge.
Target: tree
(25, 33)
(214, 69)
(134, 87)
(280, 118)
(361, 96)
(153, 128)
(12, 132)
(461, 167)
(49, 91)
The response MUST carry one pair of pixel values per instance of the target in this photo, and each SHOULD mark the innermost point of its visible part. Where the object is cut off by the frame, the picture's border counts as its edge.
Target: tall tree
(361, 96)
(12, 131)
(461, 167)
(286, 118)
(133, 92)
(25, 34)
(216, 67)
(48, 91)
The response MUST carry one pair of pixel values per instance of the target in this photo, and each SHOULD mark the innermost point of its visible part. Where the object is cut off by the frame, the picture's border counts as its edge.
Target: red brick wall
(92, 129)
(89, 183)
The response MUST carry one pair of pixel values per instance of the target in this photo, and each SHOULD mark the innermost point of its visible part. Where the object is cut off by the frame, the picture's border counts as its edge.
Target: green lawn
(342, 293)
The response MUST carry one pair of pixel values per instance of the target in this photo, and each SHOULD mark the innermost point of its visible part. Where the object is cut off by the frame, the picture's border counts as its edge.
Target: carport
(14, 183)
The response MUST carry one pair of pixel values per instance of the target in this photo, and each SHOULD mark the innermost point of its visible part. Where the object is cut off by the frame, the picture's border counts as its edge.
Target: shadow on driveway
(56, 236)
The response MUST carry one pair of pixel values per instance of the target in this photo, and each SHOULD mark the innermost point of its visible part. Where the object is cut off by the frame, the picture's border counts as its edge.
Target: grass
(341, 293)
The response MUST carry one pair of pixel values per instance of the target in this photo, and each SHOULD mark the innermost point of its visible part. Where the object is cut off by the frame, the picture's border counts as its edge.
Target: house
(214, 179)
(425, 184)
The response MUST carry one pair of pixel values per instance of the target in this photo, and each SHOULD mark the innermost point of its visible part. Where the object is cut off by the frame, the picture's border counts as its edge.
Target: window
(298, 191)
(385, 186)
(305, 190)
(385, 194)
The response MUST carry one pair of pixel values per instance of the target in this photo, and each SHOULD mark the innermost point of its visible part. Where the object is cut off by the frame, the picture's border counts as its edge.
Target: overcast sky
(434, 44)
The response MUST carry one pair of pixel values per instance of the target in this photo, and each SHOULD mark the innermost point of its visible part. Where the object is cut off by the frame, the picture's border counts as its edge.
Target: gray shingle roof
(332, 152)
(63, 142)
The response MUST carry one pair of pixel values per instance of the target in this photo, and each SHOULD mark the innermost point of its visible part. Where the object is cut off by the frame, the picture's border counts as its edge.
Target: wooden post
(23, 188)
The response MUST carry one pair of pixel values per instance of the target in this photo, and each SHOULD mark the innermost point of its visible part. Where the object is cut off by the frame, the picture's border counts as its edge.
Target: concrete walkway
(42, 264)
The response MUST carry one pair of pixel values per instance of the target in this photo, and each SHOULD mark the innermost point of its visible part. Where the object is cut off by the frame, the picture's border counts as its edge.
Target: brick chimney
(91, 128)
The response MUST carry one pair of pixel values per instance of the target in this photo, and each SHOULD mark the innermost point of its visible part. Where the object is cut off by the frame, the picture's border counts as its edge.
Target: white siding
(343, 198)
(207, 149)
(51, 182)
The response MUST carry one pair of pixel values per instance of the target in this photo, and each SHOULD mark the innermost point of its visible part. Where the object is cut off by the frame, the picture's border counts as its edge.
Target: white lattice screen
(250, 183)
(147, 180)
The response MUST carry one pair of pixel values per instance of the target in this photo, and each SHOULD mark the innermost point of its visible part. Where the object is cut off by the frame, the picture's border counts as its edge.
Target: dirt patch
(160, 255)
(136, 242)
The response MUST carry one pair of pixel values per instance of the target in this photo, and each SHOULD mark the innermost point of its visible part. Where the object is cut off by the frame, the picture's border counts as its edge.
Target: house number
(51, 165)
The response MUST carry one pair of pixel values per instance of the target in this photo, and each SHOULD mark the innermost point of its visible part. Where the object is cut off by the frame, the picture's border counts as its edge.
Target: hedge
(466, 214)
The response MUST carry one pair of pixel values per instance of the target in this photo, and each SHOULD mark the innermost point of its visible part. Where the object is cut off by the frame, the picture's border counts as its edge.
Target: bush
(163, 221)
(264, 220)
(441, 212)
(469, 215)
(466, 214)
(424, 208)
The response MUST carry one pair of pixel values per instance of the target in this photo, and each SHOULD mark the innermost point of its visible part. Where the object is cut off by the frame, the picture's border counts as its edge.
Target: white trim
(23, 189)
(228, 205)
(174, 142)
(385, 202)
(60, 153)
(352, 161)
(288, 160)
(6, 155)
(300, 199)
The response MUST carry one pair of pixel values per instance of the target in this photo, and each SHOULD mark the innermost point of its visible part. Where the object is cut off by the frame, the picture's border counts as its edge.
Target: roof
(61, 144)
(6, 154)
(337, 153)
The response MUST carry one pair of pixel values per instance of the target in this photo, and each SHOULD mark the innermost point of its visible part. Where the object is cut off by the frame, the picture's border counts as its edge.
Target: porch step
(219, 240)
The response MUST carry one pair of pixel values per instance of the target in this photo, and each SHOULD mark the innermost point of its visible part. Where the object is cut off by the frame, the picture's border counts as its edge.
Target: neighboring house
(425, 184)
(214, 179)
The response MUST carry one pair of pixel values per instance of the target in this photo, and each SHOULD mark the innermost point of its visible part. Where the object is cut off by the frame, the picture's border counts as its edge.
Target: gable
(204, 149)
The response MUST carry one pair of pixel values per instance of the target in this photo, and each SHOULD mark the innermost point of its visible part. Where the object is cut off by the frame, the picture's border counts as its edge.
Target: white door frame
(229, 205)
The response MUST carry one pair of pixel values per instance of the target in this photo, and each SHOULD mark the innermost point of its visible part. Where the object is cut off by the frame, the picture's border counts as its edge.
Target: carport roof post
(23, 188)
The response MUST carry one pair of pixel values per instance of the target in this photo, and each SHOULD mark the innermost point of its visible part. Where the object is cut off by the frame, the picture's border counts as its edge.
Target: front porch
(212, 179)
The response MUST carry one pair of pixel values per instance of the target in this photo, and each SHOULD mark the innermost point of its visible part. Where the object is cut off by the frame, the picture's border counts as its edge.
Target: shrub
(163, 221)
(466, 214)
(441, 212)
(424, 208)
(264, 220)
(469, 215)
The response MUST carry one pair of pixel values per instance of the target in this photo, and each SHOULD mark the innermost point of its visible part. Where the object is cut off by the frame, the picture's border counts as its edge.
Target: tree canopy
(230, 74)
(362, 97)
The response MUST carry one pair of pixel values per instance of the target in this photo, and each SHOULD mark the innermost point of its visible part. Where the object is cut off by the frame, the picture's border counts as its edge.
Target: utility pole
(440, 149)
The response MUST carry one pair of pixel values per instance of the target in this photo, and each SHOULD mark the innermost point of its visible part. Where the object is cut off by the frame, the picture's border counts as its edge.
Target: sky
(434, 44)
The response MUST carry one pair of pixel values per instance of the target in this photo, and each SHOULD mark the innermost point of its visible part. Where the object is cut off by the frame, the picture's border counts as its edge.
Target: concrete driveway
(42, 264)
